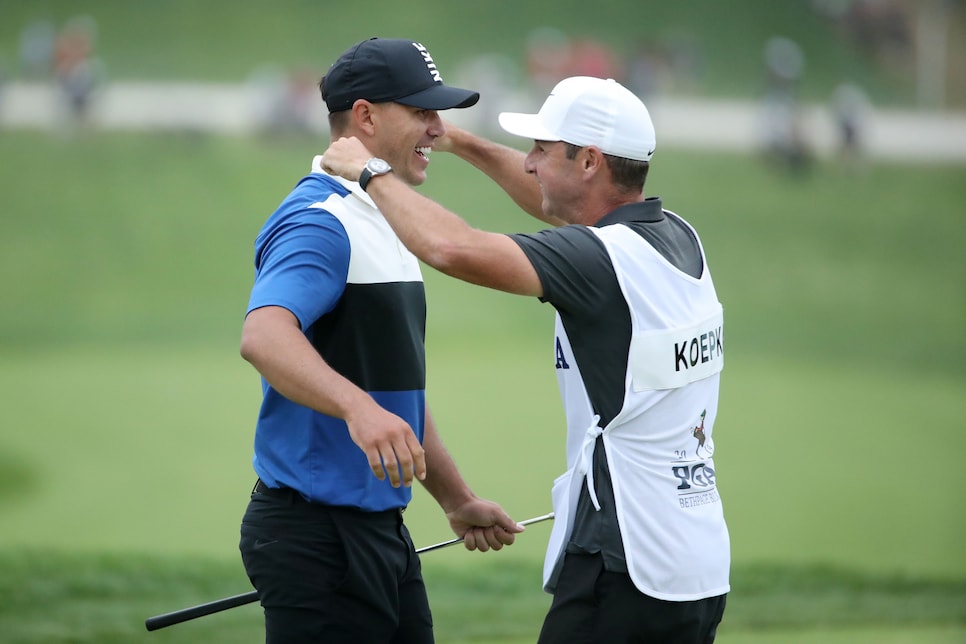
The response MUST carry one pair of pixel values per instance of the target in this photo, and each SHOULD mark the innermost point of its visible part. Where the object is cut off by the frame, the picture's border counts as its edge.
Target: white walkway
(680, 123)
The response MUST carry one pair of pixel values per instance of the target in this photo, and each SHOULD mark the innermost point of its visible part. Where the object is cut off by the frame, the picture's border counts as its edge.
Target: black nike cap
(383, 70)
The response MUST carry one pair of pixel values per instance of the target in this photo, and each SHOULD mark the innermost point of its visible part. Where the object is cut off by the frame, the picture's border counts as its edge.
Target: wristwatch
(374, 167)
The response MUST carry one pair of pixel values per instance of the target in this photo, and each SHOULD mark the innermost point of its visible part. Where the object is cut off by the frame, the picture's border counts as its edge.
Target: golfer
(335, 326)
(639, 551)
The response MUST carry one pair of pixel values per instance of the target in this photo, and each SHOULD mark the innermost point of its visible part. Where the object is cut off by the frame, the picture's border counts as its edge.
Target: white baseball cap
(583, 110)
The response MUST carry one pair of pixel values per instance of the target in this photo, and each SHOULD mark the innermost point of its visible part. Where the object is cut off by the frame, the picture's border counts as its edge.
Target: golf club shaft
(187, 614)
(451, 542)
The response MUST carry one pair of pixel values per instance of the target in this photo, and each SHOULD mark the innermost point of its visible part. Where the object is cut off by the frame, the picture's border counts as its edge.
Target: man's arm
(500, 163)
(482, 524)
(434, 234)
(273, 342)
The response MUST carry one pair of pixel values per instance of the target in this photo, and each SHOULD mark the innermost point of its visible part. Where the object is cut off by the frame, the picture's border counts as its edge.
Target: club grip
(186, 614)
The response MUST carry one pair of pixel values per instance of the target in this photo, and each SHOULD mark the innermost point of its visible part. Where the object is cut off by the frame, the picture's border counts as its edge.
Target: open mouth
(424, 152)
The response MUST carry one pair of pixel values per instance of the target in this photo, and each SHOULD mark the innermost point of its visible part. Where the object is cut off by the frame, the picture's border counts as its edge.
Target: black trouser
(333, 574)
(593, 606)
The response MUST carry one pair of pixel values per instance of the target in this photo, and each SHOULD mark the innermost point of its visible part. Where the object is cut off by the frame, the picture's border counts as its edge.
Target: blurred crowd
(671, 64)
(67, 55)
(881, 29)
(785, 138)
(285, 101)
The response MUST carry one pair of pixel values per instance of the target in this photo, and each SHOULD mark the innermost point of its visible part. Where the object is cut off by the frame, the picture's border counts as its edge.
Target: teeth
(424, 151)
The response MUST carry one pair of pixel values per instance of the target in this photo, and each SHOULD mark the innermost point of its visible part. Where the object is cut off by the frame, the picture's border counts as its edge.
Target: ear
(592, 159)
(362, 116)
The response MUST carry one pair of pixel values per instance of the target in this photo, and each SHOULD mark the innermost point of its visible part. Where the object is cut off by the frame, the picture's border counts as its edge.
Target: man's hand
(447, 142)
(346, 158)
(483, 525)
(389, 443)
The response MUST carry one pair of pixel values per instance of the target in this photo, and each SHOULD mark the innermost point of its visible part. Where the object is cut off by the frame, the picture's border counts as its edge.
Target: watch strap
(373, 168)
(364, 178)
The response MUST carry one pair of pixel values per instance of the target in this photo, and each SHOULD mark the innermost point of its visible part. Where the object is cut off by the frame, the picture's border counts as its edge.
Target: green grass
(222, 41)
(150, 225)
(164, 438)
(105, 599)
(128, 414)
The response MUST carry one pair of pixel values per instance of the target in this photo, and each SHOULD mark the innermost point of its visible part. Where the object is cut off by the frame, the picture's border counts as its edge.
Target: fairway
(129, 415)
(165, 469)
(126, 263)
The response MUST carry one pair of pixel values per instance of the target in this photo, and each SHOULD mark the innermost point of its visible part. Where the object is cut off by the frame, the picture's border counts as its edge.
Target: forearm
(435, 235)
(274, 344)
(432, 233)
(425, 227)
(502, 164)
(443, 480)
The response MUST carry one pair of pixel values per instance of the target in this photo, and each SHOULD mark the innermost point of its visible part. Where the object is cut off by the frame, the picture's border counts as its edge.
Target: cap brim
(441, 97)
(526, 125)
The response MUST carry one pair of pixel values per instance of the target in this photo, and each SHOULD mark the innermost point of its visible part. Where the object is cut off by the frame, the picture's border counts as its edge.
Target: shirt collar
(649, 210)
(351, 186)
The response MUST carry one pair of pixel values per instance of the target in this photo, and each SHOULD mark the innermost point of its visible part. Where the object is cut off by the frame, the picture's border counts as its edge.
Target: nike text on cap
(590, 111)
(383, 70)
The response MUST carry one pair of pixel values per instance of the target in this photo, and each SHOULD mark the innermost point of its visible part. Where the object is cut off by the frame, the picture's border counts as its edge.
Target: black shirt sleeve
(579, 281)
(573, 265)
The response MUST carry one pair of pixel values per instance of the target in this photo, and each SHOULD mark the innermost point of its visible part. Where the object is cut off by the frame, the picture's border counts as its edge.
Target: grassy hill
(125, 459)
(128, 414)
(710, 48)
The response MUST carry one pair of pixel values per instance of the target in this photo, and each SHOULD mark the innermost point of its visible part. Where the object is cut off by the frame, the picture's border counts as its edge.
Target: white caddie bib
(660, 445)
(672, 358)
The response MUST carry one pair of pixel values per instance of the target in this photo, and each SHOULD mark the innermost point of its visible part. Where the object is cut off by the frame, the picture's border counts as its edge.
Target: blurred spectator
(589, 57)
(36, 50)
(850, 110)
(685, 59)
(285, 101)
(784, 138)
(496, 77)
(881, 29)
(77, 70)
(647, 70)
(552, 55)
(301, 100)
(266, 87)
(547, 60)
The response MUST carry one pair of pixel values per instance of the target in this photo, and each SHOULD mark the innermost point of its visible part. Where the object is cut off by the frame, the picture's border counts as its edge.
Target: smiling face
(559, 179)
(404, 136)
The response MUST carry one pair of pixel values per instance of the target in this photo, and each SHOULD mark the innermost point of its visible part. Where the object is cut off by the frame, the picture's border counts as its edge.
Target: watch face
(378, 166)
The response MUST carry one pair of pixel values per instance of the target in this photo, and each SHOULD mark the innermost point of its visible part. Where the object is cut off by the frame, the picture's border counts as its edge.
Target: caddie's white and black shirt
(638, 350)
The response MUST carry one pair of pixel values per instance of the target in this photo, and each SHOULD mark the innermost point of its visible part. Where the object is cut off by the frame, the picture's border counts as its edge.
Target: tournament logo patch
(698, 433)
(696, 478)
